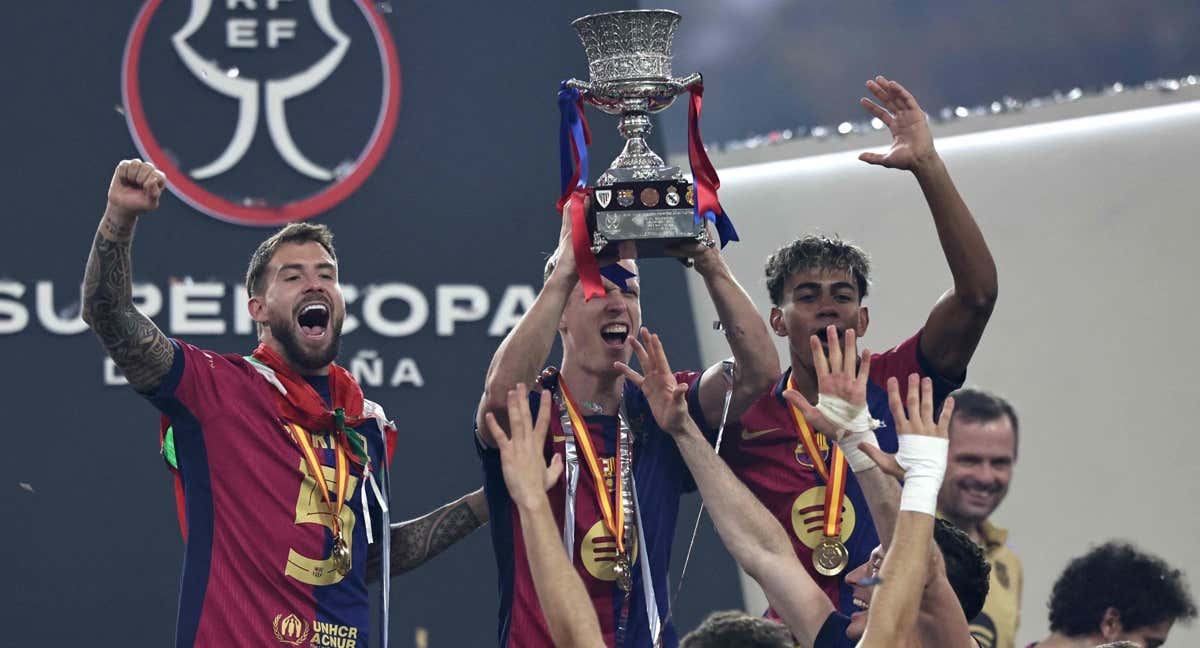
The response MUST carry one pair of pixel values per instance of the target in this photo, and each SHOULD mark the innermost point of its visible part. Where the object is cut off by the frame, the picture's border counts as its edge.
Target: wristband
(923, 459)
(855, 426)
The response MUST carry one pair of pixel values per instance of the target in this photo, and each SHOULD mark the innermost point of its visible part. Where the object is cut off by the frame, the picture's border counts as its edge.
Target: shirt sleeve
(906, 358)
(199, 387)
(833, 631)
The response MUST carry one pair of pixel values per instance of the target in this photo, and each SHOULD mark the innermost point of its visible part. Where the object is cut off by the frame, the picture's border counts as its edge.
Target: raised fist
(136, 187)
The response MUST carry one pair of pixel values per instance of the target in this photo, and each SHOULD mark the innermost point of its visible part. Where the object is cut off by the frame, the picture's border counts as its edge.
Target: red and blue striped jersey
(766, 454)
(661, 477)
(257, 568)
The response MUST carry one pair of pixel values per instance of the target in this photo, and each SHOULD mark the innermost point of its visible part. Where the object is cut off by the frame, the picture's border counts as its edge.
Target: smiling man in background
(983, 452)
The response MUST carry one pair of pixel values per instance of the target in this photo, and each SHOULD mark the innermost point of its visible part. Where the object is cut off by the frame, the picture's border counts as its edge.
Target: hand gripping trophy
(638, 198)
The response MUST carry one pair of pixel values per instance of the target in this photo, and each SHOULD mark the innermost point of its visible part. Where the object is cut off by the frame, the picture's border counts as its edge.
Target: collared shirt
(996, 626)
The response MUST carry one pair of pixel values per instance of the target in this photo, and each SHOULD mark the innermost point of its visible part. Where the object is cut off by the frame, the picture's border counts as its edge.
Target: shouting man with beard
(280, 463)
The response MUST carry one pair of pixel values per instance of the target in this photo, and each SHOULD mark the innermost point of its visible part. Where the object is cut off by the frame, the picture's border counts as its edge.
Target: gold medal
(612, 512)
(830, 557)
(621, 569)
(341, 555)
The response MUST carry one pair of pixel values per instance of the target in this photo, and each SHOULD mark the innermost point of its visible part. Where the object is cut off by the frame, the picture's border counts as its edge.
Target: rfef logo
(261, 112)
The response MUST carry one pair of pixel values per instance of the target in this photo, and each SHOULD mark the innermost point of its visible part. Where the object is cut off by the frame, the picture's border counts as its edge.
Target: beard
(284, 330)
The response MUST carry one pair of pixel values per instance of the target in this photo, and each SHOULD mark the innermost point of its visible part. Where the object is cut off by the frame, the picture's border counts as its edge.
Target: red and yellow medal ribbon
(834, 475)
(613, 512)
(341, 475)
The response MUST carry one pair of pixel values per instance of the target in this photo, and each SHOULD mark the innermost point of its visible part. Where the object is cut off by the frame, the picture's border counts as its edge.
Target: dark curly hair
(966, 567)
(1143, 589)
(732, 629)
(816, 252)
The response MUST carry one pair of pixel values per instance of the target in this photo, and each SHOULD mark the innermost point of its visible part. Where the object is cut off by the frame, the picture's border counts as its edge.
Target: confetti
(26, 486)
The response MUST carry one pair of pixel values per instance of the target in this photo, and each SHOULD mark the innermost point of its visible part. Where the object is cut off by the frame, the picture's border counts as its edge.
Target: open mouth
(614, 335)
(860, 604)
(823, 334)
(313, 320)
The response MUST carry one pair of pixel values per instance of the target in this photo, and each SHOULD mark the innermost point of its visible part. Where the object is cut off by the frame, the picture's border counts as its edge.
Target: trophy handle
(584, 87)
(687, 81)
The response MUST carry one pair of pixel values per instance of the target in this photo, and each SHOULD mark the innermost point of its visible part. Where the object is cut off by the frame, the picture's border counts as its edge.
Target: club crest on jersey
(806, 461)
(233, 101)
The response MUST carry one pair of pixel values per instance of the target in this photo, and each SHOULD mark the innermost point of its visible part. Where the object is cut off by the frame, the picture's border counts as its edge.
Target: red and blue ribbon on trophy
(574, 139)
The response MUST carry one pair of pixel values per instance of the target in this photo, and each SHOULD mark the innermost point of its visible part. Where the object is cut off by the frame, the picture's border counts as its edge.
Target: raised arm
(134, 343)
(568, 611)
(749, 532)
(921, 462)
(754, 354)
(524, 350)
(956, 323)
(416, 541)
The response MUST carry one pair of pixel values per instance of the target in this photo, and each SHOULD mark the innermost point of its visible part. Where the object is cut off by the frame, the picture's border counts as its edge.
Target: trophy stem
(634, 127)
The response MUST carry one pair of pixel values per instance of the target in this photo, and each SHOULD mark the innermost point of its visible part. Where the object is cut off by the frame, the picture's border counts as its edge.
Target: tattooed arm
(416, 541)
(134, 343)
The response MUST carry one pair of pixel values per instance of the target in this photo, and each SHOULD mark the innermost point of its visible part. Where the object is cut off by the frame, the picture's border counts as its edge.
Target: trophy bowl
(638, 197)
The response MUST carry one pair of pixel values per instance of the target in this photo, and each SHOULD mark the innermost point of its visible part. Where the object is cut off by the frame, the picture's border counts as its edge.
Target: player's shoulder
(200, 361)
(770, 399)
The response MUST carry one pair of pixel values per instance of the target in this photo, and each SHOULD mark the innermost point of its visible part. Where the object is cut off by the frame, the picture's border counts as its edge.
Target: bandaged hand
(841, 413)
(921, 459)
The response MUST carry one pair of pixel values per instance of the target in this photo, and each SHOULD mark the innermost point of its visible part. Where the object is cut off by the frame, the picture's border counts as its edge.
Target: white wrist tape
(855, 426)
(923, 459)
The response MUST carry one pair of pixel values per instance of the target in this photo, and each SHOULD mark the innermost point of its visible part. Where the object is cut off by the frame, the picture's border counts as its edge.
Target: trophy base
(654, 215)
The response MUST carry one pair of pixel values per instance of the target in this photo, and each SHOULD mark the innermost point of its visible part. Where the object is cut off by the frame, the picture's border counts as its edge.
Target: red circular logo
(262, 29)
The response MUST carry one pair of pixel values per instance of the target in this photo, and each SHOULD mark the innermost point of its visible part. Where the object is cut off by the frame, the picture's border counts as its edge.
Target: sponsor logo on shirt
(808, 517)
(291, 630)
(599, 552)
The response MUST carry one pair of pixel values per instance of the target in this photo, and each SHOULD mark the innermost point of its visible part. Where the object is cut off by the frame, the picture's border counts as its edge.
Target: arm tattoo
(416, 541)
(134, 343)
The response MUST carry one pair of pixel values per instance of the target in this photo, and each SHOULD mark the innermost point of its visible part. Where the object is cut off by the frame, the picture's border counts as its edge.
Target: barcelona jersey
(767, 455)
(257, 569)
(661, 477)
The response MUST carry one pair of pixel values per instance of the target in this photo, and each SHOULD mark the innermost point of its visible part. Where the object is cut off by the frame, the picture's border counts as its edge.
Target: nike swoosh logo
(754, 434)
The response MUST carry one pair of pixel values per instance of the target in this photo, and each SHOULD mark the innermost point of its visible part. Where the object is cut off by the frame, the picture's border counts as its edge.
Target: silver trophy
(638, 198)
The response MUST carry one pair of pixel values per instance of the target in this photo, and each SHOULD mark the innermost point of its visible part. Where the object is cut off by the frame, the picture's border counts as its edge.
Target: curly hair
(816, 252)
(966, 567)
(732, 629)
(1143, 588)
